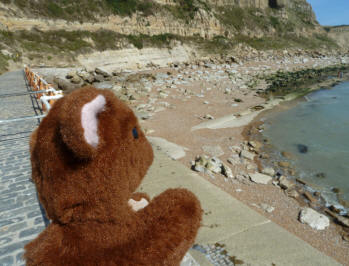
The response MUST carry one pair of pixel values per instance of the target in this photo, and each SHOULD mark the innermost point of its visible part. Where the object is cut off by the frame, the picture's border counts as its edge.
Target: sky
(331, 12)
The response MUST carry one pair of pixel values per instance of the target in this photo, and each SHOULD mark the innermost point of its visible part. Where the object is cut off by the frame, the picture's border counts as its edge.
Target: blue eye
(135, 133)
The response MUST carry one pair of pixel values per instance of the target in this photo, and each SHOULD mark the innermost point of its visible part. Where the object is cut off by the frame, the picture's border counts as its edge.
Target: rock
(255, 144)
(287, 155)
(336, 190)
(284, 164)
(102, 72)
(309, 196)
(208, 116)
(293, 193)
(342, 221)
(98, 78)
(268, 171)
(302, 148)
(267, 208)
(75, 79)
(346, 237)
(103, 85)
(213, 150)
(214, 165)
(320, 175)
(71, 74)
(247, 155)
(314, 219)
(226, 171)
(260, 178)
(285, 183)
(64, 85)
(86, 76)
(234, 159)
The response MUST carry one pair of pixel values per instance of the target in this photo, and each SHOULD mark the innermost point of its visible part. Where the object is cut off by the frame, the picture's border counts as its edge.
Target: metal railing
(42, 90)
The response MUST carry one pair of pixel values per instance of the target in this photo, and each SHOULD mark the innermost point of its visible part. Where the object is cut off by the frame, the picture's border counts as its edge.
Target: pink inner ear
(89, 120)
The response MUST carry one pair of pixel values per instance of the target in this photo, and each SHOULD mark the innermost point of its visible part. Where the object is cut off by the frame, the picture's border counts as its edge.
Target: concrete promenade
(20, 216)
(232, 233)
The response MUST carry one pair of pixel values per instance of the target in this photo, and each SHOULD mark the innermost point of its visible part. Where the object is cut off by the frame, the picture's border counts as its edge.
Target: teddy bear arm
(172, 220)
(44, 249)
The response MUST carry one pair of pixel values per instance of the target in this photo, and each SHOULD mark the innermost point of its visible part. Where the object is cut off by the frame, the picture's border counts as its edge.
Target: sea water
(321, 124)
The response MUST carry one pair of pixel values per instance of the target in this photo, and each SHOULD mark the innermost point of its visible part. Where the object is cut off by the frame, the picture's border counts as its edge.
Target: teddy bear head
(88, 155)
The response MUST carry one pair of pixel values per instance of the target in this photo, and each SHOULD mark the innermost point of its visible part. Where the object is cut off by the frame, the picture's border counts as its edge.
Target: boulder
(314, 219)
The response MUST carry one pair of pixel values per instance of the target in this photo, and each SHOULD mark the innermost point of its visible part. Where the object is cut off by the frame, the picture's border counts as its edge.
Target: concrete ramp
(243, 233)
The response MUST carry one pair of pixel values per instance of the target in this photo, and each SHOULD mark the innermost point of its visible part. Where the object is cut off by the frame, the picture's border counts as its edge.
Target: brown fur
(85, 192)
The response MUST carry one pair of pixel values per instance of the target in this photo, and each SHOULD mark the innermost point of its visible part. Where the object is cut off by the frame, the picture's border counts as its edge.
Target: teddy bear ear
(89, 119)
(79, 123)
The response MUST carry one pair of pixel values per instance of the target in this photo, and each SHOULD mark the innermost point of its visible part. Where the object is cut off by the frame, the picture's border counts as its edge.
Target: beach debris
(268, 171)
(260, 178)
(285, 183)
(314, 219)
(302, 148)
(247, 155)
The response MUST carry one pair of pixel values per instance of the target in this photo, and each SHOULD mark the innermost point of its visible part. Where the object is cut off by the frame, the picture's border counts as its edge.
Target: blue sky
(331, 12)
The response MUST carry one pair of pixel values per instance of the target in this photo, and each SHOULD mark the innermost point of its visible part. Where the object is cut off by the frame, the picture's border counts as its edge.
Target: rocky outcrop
(340, 34)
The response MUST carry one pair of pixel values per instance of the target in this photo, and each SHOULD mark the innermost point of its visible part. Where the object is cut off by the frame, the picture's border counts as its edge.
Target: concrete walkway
(231, 226)
(20, 215)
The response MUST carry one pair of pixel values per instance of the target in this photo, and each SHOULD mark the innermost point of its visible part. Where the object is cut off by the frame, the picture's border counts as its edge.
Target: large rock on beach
(314, 219)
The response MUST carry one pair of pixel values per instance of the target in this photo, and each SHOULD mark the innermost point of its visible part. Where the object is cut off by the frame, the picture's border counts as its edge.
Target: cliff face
(39, 29)
(340, 34)
(207, 19)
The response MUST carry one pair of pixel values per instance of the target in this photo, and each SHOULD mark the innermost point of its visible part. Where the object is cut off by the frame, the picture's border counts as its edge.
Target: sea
(316, 131)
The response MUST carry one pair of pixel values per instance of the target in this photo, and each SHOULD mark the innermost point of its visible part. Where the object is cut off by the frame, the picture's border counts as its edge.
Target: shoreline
(188, 106)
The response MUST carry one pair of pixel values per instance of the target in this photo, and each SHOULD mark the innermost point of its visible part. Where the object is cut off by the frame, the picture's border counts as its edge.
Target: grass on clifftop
(83, 10)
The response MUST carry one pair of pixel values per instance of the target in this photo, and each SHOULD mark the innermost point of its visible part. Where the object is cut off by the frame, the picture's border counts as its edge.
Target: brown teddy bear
(88, 157)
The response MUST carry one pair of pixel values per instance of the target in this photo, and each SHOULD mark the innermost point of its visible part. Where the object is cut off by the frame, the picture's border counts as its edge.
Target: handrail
(44, 91)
